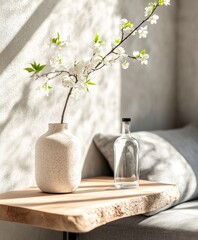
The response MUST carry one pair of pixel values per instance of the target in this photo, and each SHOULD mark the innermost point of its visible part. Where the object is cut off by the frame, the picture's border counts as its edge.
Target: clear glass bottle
(126, 151)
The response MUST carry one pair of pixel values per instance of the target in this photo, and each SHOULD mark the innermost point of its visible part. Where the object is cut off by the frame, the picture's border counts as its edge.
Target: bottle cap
(126, 119)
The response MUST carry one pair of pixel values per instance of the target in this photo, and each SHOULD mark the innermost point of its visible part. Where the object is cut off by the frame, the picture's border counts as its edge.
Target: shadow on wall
(28, 29)
(16, 145)
(21, 104)
(16, 148)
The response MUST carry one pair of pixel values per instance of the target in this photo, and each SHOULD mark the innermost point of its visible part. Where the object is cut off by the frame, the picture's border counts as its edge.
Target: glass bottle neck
(125, 127)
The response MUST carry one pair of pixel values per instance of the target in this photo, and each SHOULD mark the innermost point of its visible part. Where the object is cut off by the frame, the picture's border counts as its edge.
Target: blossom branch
(125, 38)
(77, 77)
(55, 74)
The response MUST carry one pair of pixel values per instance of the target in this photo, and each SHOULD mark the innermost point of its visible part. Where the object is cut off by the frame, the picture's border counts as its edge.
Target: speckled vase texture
(57, 160)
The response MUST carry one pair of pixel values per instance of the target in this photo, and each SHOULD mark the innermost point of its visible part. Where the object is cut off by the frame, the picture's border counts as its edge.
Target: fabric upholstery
(178, 223)
(95, 164)
(165, 156)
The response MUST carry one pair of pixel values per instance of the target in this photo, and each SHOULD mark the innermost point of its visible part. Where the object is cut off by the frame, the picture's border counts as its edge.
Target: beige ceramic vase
(57, 160)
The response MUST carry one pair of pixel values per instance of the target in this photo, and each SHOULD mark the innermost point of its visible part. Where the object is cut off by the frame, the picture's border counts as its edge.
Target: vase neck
(57, 127)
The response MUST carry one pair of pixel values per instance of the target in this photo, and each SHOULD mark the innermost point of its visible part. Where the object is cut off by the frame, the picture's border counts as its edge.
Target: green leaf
(154, 4)
(143, 51)
(91, 83)
(88, 81)
(46, 86)
(100, 42)
(101, 56)
(40, 67)
(127, 24)
(34, 65)
(29, 69)
(161, 2)
(96, 38)
(58, 36)
(49, 87)
(76, 63)
(117, 41)
(54, 40)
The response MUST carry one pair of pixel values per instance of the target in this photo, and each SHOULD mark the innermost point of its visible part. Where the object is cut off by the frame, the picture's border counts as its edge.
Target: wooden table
(95, 202)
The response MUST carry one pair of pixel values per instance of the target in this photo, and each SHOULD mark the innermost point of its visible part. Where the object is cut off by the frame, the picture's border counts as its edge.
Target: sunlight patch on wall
(25, 113)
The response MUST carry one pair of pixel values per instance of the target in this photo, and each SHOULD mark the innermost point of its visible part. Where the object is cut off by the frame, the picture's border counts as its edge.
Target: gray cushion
(165, 156)
(178, 223)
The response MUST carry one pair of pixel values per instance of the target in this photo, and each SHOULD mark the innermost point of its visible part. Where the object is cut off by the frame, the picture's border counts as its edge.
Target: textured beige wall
(148, 92)
(25, 112)
(187, 80)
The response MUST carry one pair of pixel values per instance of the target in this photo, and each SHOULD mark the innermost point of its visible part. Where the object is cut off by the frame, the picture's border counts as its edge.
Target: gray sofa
(165, 156)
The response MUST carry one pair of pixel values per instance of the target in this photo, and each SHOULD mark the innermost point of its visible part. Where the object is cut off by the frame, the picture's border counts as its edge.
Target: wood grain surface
(94, 203)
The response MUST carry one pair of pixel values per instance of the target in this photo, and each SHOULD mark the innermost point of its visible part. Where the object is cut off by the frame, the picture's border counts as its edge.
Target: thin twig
(66, 101)
(125, 38)
(131, 57)
(65, 105)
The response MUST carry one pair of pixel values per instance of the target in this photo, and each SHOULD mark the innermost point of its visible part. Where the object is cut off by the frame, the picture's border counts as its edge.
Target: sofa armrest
(95, 164)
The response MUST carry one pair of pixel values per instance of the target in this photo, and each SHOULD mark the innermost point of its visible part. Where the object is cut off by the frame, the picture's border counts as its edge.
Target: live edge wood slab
(94, 203)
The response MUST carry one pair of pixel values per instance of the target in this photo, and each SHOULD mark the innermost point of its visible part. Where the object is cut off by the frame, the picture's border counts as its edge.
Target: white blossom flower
(76, 93)
(81, 85)
(97, 48)
(78, 68)
(98, 44)
(136, 54)
(115, 42)
(64, 43)
(153, 19)
(89, 65)
(57, 42)
(128, 29)
(141, 56)
(109, 60)
(122, 22)
(125, 64)
(143, 32)
(166, 2)
(148, 10)
(144, 58)
(45, 88)
(134, 32)
(97, 58)
(68, 82)
(56, 61)
(120, 52)
(42, 85)
(126, 26)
